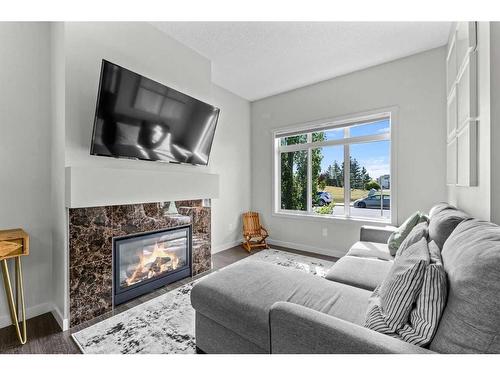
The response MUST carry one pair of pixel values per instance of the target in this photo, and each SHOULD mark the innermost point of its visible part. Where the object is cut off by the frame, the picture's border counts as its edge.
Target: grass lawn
(338, 193)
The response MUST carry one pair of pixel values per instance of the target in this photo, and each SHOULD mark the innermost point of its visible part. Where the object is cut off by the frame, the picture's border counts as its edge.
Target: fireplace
(146, 261)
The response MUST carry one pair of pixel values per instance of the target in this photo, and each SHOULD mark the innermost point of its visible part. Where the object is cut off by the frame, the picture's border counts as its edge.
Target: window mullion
(309, 174)
(277, 155)
(347, 176)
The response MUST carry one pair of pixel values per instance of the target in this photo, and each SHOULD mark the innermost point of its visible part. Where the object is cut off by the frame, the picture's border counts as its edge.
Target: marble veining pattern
(91, 231)
(165, 324)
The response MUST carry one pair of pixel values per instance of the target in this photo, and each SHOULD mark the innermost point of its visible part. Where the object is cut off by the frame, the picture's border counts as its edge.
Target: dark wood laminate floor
(46, 337)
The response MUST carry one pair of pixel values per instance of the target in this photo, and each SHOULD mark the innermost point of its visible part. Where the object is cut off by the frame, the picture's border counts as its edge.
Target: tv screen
(139, 118)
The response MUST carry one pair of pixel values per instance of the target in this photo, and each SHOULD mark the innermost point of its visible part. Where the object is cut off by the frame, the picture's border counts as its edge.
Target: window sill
(312, 217)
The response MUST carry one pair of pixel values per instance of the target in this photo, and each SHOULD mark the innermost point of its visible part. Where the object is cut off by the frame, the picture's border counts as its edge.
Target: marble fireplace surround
(91, 230)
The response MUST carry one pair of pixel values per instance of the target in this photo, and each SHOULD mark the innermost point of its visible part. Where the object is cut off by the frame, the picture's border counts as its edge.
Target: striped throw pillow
(391, 303)
(425, 316)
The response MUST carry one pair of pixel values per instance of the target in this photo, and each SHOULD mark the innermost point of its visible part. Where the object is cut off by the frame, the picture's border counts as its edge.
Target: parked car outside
(373, 201)
(323, 198)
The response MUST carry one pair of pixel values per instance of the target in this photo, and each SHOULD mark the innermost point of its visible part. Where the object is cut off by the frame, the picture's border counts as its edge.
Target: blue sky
(374, 156)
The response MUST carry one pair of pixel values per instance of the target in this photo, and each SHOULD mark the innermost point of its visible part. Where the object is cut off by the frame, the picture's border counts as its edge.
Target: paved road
(363, 212)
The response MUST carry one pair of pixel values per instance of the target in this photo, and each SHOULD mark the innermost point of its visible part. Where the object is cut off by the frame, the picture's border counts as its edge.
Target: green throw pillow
(400, 234)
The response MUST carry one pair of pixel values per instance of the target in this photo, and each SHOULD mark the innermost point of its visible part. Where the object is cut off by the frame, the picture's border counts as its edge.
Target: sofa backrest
(471, 320)
(443, 219)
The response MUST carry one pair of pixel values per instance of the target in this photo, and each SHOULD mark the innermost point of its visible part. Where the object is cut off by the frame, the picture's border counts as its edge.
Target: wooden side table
(14, 243)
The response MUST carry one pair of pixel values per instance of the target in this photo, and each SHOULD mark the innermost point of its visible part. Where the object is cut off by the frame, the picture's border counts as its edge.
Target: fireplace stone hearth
(91, 233)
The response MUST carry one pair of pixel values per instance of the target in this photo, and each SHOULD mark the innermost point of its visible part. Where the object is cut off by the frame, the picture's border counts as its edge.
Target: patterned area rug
(165, 324)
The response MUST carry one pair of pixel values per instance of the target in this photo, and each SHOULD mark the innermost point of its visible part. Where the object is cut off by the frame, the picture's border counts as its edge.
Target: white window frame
(327, 124)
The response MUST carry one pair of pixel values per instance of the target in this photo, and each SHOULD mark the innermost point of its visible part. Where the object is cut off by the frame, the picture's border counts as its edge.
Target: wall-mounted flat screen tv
(139, 118)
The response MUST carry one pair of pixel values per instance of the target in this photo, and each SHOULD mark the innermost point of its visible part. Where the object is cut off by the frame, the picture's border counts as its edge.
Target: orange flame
(152, 264)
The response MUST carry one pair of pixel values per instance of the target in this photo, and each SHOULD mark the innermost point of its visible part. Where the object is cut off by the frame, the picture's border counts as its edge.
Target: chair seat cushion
(239, 297)
(366, 273)
(370, 250)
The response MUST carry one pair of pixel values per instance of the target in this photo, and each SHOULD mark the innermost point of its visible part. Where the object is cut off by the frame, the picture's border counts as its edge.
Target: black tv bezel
(93, 153)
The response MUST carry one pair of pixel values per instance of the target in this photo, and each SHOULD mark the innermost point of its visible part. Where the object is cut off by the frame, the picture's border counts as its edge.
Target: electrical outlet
(231, 226)
(325, 232)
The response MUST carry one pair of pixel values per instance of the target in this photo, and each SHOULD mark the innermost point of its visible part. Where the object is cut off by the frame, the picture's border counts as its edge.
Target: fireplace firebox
(146, 261)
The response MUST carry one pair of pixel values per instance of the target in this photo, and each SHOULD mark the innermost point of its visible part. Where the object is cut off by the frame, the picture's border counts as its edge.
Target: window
(335, 169)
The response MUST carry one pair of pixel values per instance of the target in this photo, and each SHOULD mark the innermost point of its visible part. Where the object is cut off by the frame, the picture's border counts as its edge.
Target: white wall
(495, 120)
(416, 85)
(59, 231)
(230, 158)
(25, 154)
(476, 200)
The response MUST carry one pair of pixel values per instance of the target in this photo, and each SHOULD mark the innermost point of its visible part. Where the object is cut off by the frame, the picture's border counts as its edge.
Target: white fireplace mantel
(94, 187)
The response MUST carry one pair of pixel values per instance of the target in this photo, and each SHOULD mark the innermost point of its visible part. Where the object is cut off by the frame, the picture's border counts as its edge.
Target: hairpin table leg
(13, 305)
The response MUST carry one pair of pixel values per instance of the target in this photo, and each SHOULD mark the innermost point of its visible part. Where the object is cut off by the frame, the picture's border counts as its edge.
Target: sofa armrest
(370, 233)
(297, 329)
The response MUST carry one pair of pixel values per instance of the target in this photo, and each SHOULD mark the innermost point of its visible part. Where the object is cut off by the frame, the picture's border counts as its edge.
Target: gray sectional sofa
(256, 307)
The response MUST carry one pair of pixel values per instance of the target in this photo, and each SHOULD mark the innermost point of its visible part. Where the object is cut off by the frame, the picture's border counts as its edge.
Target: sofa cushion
(471, 318)
(391, 303)
(370, 250)
(425, 316)
(240, 296)
(398, 236)
(444, 218)
(364, 273)
(437, 208)
(418, 232)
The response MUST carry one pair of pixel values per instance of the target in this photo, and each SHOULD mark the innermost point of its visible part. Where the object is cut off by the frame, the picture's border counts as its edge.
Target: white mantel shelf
(95, 187)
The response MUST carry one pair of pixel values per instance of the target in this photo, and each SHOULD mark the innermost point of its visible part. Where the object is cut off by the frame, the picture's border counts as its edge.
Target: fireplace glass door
(145, 262)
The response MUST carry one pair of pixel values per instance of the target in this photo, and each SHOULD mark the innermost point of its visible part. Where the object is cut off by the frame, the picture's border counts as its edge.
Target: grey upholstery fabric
(240, 296)
(471, 318)
(418, 232)
(296, 329)
(369, 233)
(443, 220)
(390, 304)
(366, 273)
(214, 338)
(370, 250)
(438, 207)
(425, 316)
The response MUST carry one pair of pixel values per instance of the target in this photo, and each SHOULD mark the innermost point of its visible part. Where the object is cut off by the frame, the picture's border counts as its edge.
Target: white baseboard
(225, 246)
(310, 249)
(40, 309)
(58, 316)
(31, 312)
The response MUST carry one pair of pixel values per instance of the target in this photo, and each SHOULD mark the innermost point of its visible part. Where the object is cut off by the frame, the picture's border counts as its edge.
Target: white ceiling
(259, 59)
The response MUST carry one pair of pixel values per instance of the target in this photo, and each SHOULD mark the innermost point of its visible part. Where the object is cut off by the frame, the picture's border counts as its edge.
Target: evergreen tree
(355, 174)
(365, 177)
(339, 174)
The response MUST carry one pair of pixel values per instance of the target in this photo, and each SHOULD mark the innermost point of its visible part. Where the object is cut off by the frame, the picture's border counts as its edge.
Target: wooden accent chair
(254, 234)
